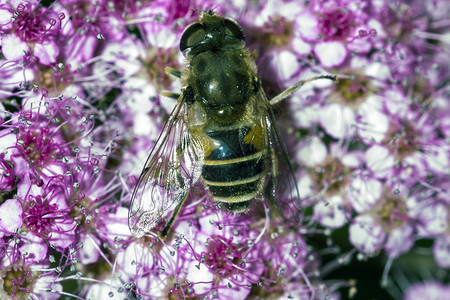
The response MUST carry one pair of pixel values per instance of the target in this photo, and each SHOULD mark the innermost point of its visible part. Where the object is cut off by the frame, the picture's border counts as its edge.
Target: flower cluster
(81, 106)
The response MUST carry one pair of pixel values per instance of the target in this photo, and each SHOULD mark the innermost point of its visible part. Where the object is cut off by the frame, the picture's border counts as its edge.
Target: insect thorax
(223, 81)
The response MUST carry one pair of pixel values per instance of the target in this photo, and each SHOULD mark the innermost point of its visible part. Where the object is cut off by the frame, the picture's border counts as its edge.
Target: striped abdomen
(234, 171)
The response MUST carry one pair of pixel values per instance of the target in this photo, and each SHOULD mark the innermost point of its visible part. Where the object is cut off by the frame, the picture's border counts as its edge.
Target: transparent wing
(281, 188)
(169, 172)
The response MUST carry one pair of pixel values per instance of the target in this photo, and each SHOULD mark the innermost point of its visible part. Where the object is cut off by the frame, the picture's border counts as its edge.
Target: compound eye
(192, 35)
(232, 29)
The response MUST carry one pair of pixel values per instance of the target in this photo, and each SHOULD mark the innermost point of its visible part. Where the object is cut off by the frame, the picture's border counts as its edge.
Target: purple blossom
(20, 280)
(45, 218)
(427, 290)
(441, 249)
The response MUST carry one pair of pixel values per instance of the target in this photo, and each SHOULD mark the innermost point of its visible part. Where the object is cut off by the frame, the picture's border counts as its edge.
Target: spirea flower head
(219, 255)
(21, 281)
(428, 290)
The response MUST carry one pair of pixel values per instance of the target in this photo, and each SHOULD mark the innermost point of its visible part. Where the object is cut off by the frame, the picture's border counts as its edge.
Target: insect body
(222, 132)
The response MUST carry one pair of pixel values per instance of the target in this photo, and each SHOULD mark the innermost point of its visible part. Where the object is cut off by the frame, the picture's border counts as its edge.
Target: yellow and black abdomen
(233, 171)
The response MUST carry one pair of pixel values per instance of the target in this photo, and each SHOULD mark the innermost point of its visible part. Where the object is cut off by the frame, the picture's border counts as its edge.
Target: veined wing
(281, 188)
(168, 174)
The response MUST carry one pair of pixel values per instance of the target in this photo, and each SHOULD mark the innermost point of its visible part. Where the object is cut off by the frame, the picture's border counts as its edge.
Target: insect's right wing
(169, 172)
(281, 188)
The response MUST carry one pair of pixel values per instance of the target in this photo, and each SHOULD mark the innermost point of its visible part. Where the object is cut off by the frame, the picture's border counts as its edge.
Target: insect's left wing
(281, 188)
(170, 171)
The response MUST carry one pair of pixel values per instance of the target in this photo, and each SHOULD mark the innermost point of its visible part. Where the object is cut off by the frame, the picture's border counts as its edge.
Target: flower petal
(13, 47)
(366, 234)
(331, 54)
(10, 216)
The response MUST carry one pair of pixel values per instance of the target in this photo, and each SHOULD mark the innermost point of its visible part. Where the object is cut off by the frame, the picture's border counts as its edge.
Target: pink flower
(428, 290)
(45, 214)
(441, 250)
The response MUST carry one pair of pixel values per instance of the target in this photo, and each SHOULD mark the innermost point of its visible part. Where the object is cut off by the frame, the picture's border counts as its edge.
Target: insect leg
(172, 71)
(287, 92)
(270, 188)
(177, 209)
(170, 94)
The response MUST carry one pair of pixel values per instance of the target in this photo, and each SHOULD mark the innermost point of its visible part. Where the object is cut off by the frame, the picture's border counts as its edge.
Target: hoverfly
(222, 132)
